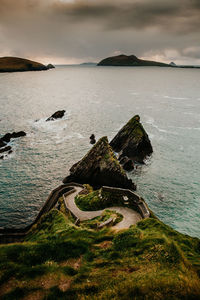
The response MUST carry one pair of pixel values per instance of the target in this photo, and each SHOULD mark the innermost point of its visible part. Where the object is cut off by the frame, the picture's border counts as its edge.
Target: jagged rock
(132, 141)
(8, 136)
(127, 163)
(5, 149)
(57, 115)
(100, 167)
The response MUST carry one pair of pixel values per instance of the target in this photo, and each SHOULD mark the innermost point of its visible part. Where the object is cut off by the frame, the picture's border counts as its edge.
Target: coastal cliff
(16, 64)
(65, 258)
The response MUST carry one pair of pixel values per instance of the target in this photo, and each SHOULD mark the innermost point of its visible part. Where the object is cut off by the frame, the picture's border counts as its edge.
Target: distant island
(129, 60)
(16, 64)
(88, 64)
(133, 61)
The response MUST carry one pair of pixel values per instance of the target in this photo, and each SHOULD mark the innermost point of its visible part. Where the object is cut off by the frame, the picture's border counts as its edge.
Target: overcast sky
(73, 31)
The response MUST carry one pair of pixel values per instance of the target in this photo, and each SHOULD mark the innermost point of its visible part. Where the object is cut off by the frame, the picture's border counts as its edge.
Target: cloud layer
(93, 29)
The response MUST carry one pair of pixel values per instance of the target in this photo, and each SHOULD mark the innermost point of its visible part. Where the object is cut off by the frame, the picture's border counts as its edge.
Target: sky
(76, 31)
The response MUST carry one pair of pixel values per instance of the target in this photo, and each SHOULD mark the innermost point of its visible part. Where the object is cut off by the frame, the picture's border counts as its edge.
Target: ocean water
(101, 100)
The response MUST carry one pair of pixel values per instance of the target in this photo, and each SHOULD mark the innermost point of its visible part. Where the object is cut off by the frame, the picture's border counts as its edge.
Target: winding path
(130, 217)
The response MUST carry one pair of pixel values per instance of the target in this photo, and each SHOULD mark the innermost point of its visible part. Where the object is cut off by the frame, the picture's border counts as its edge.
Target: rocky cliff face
(131, 60)
(132, 141)
(100, 167)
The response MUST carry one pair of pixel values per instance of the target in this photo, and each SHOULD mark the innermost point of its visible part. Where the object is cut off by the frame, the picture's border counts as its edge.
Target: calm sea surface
(100, 100)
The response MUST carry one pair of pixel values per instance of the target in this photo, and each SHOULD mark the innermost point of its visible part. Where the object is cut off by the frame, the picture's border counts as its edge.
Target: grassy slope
(62, 261)
(15, 64)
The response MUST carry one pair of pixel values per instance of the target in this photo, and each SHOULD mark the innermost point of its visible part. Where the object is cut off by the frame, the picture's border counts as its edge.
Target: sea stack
(132, 141)
(100, 167)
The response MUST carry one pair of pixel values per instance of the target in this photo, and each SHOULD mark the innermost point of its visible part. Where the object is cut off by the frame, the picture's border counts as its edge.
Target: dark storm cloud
(95, 28)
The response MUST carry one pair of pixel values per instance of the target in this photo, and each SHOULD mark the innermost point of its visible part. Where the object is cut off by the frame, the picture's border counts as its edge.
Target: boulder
(57, 115)
(132, 141)
(100, 167)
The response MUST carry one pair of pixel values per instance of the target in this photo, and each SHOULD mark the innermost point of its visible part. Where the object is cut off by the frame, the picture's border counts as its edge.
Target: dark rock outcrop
(132, 141)
(92, 139)
(127, 163)
(5, 149)
(57, 115)
(6, 139)
(100, 167)
(131, 60)
(16, 64)
(50, 66)
(2, 143)
(8, 136)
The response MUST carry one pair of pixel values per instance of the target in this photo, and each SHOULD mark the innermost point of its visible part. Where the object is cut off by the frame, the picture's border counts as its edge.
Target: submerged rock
(132, 141)
(100, 167)
(57, 115)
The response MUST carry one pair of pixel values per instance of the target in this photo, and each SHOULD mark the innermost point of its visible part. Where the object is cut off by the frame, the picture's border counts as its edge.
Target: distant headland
(133, 61)
(16, 64)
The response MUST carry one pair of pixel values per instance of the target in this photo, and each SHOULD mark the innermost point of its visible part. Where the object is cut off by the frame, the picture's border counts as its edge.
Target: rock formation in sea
(6, 139)
(50, 66)
(100, 167)
(16, 64)
(131, 60)
(132, 141)
(92, 139)
(57, 115)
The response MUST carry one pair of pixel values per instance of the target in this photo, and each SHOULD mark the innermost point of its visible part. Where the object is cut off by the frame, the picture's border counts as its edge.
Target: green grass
(148, 261)
(97, 200)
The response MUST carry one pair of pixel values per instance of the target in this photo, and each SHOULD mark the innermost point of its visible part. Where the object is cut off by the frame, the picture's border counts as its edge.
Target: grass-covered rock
(100, 167)
(132, 141)
(59, 260)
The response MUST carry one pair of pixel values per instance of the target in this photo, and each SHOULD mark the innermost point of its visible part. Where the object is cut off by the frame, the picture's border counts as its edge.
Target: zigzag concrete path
(130, 217)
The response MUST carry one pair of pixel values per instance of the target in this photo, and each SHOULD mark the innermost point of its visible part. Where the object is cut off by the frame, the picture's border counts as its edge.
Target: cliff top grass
(59, 260)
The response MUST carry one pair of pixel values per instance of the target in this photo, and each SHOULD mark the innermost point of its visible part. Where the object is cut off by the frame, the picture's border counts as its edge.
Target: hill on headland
(16, 64)
(131, 60)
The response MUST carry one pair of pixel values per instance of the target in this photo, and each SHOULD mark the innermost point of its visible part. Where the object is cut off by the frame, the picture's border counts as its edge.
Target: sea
(100, 100)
